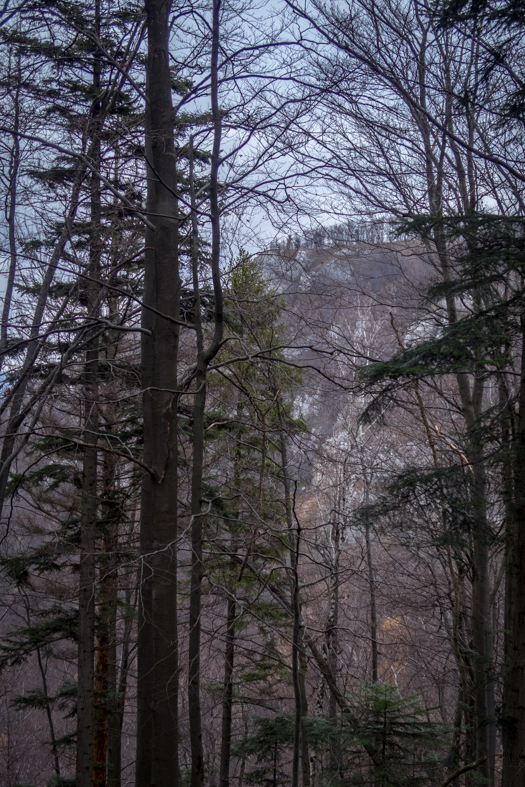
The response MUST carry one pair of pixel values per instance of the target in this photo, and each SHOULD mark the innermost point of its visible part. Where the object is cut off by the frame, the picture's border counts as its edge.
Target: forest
(262, 393)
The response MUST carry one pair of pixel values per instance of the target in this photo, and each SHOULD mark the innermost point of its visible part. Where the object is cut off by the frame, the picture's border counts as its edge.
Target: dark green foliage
(60, 781)
(48, 628)
(398, 735)
(383, 739)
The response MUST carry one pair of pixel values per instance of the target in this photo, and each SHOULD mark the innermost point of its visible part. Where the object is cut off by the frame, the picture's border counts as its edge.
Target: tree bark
(88, 527)
(514, 673)
(301, 757)
(199, 405)
(227, 696)
(373, 614)
(88, 514)
(117, 716)
(106, 651)
(204, 357)
(14, 166)
(158, 680)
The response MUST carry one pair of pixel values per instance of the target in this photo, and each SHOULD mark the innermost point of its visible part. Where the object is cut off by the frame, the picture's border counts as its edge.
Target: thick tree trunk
(158, 681)
(471, 396)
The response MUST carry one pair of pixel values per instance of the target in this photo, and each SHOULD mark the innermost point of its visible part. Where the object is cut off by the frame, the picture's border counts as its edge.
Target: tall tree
(158, 658)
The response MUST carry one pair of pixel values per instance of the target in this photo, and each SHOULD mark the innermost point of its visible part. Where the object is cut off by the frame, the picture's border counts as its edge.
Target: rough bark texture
(157, 733)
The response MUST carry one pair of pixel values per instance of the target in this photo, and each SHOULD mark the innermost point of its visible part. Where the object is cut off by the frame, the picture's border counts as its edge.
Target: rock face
(345, 306)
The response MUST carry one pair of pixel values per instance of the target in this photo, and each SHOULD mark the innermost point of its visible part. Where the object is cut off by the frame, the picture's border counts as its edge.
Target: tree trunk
(88, 527)
(157, 725)
(14, 166)
(204, 357)
(199, 405)
(332, 759)
(227, 696)
(305, 753)
(117, 716)
(514, 674)
(105, 661)
(301, 757)
(373, 614)
(483, 689)
(88, 514)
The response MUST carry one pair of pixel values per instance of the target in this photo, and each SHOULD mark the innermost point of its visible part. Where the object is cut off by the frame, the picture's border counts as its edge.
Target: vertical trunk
(301, 758)
(199, 405)
(331, 637)
(117, 712)
(14, 166)
(298, 722)
(455, 753)
(105, 661)
(229, 652)
(514, 675)
(157, 727)
(100, 744)
(88, 524)
(88, 515)
(481, 623)
(49, 711)
(305, 754)
(292, 548)
(106, 697)
(227, 696)
(372, 589)
(204, 357)
(471, 400)
(471, 396)
(112, 518)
